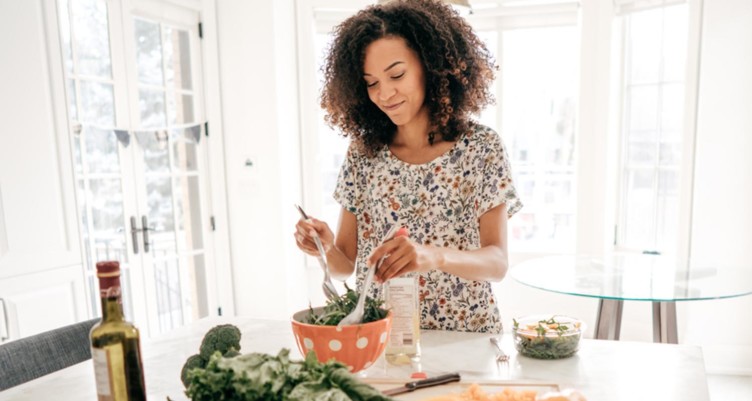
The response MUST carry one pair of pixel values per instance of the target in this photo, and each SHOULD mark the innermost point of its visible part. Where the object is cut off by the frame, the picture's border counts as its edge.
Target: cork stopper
(108, 268)
(108, 273)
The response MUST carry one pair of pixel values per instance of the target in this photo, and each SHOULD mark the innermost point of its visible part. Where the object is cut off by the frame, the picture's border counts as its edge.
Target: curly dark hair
(458, 69)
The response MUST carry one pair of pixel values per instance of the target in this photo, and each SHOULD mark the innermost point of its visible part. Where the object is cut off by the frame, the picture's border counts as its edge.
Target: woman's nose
(386, 92)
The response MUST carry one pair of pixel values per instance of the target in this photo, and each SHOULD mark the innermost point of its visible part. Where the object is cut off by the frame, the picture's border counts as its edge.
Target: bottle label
(109, 373)
(403, 302)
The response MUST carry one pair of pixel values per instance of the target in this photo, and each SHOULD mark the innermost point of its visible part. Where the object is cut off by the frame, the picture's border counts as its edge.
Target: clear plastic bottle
(401, 296)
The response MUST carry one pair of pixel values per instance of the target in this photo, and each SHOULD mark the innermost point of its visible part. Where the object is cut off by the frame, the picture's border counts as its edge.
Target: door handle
(145, 228)
(134, 234)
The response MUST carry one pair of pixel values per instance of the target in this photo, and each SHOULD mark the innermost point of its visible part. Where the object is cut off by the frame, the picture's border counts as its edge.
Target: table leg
(608, 320)
(664, 323)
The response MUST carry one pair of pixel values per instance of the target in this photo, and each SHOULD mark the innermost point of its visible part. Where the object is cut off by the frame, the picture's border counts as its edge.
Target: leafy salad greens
(259, 376)
(336, 309)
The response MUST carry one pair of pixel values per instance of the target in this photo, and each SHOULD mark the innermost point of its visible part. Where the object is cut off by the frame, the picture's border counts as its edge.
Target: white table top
(601, 370)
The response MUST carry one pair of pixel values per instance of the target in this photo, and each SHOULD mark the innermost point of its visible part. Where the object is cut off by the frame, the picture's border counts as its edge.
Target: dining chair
(31, 357)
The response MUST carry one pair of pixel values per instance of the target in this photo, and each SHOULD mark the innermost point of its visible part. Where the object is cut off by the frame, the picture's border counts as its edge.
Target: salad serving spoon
(329, 289)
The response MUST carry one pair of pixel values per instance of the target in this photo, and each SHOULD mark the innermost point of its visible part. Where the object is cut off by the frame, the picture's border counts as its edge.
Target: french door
(133, 74)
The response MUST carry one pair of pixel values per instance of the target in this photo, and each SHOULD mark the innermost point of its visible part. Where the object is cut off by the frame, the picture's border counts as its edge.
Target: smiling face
(395, 80)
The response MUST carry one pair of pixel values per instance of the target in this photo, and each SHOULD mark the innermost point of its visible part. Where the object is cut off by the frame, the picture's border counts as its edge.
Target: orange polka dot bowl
(357, 346)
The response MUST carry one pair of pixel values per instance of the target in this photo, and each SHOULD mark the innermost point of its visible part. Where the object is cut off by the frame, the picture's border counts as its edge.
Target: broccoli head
(193, 361)
(222, 338)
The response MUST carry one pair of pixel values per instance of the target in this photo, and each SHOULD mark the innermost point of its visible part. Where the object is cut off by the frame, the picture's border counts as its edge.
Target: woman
(401, 81)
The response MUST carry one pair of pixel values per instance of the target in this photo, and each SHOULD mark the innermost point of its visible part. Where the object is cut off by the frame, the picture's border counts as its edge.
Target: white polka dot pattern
(335, 345)
(361, 343)
(382, 338)
(308, 343)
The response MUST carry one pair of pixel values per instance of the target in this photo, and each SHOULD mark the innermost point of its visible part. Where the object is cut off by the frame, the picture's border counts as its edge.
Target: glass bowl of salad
(547, 336)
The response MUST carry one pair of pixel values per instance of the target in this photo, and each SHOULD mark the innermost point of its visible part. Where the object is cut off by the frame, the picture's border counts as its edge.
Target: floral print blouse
(440, 203)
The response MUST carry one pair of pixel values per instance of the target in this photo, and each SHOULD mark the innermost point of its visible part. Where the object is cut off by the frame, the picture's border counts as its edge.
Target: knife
(431, 381)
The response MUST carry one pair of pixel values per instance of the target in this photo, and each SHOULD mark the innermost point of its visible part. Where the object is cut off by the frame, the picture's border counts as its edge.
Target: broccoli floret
(193, 361)
(220, 338)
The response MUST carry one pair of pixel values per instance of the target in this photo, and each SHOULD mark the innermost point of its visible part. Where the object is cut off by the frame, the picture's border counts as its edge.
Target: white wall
(258, 79)
(722, 212)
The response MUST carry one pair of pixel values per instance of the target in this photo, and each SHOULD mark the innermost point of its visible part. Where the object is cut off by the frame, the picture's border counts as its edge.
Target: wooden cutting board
(491, 387)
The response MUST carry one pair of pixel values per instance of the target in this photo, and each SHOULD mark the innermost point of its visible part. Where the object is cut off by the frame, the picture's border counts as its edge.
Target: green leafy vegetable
(259, 376)
(336, 309)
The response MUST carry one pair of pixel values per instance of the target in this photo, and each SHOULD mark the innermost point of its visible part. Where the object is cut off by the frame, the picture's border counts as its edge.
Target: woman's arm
(487, 263)
(340, 251)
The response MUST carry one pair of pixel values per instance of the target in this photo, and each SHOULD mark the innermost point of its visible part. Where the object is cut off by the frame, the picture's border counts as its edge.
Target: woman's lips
(393, 106)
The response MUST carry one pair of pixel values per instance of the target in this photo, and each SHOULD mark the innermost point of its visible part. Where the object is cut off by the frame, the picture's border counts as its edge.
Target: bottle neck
(112, 306)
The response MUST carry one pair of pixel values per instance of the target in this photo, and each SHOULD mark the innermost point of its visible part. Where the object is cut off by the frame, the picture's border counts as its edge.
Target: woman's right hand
(306, 229)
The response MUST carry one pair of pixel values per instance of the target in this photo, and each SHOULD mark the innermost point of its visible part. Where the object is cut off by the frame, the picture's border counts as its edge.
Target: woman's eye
(371, 85)
(398, 76)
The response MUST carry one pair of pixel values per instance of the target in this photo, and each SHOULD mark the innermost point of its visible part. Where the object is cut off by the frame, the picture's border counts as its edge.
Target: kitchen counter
(601, 370)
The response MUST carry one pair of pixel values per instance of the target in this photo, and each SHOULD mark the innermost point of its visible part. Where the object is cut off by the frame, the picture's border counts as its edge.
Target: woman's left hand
(403, 256)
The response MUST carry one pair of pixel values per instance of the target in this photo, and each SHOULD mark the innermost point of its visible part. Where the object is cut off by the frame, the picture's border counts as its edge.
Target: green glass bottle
(115, 345)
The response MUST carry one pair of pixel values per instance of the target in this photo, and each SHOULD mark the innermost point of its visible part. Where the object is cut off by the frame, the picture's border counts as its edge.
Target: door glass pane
(148, 52)
(152, 108)
(184, 153)
(72, 107)
(107, 205)
(102, 150)
(180, 108)
(97, 103)
(643, 103)
(177, 58)
(187, 203)
(65, 34)
(154, 145)
(92, 38)
(169, 305)
(645, 46)
(161, 218)
(198, 293)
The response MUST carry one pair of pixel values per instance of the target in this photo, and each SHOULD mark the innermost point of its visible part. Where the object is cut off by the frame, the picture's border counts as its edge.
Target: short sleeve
(496, 185)
(347, 192)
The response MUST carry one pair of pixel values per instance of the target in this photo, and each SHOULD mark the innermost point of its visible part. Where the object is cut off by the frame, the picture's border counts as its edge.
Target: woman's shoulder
(482, 137)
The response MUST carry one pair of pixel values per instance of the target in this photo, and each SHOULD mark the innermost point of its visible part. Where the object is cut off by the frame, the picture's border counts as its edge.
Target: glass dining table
(615, 278)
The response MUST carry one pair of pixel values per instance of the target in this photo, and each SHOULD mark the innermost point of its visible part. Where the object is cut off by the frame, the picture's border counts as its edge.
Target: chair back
(31, 357)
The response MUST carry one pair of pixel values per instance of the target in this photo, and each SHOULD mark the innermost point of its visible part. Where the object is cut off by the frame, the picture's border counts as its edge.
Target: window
(651, 136)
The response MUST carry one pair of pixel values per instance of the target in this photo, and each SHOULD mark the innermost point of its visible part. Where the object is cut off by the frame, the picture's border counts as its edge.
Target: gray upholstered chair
(31, 357)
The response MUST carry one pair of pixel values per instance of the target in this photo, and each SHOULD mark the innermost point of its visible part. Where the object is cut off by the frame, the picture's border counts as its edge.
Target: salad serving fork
(329, 289)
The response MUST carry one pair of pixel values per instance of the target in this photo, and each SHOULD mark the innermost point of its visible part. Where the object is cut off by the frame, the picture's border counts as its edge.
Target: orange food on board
(476, 393)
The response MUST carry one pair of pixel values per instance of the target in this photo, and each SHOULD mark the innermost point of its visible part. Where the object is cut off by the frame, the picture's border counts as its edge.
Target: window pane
(148, 52)
(92, 37)
(644, 45)
(72, 108)
(101, 151)
(152, 104)
(643, 108)
(639, 214)
(675, 29)
(332, 146)
(97, 103)
(656, 42)
(538, 124)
